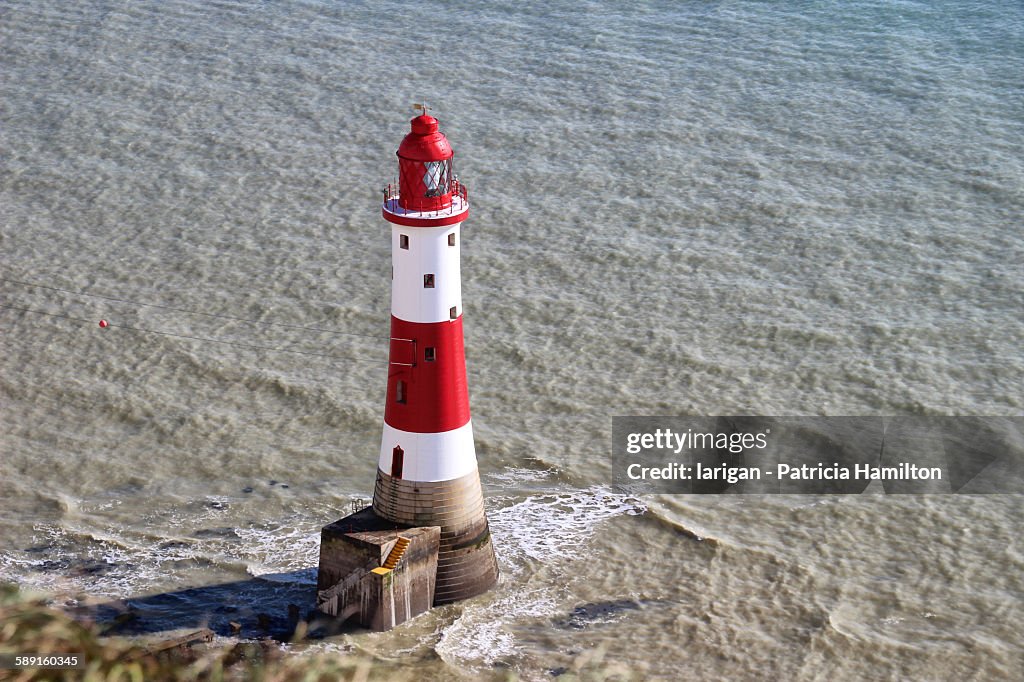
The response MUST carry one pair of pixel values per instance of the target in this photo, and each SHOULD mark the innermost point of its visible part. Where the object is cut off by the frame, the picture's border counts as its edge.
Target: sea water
(677, 208)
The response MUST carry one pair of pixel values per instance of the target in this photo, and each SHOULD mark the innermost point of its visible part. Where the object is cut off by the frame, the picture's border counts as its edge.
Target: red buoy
(103, 324)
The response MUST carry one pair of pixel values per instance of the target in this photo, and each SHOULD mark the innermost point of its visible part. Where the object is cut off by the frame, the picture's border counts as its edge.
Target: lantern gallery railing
(458, 191)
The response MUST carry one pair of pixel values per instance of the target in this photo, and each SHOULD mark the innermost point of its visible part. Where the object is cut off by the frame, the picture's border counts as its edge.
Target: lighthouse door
(397, 460)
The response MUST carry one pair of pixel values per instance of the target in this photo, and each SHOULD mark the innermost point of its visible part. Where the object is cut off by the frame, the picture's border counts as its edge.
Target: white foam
(122, 562)
(514, 475)
(542, 526)
(129, 568)
(270, 551)
(479, 637)
(538, 528)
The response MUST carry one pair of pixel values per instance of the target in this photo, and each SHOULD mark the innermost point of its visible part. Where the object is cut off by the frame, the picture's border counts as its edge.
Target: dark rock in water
(284, 485)
(272, 482)
(558, 672)
(38, 549)
(247, 489)
(221, 532)
(182, 643)
(52, 565)
(190, 562)
(586, 615)
(89, 567)
(217, 504)
(173, 544)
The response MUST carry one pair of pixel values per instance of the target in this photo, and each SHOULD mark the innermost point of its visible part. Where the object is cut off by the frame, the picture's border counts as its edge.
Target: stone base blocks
(466, 564)
(381, 572)
(421, 544)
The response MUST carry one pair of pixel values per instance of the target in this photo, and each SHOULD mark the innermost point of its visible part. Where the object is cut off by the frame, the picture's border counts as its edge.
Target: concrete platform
(381, 572)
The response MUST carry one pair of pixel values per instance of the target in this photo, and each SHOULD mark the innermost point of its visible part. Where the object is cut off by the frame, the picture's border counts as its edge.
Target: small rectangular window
(403, 241)
(400, 391)
(453, 313)
(429, 354)
(428, 281)
(451, 239)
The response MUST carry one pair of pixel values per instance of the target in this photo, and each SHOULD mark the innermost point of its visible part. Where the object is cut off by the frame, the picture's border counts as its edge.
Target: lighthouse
(427, 472)
(426, 530)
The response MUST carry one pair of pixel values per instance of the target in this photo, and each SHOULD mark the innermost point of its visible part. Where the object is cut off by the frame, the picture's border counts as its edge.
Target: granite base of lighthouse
(378, 571)
(466, 565)
(421, 544)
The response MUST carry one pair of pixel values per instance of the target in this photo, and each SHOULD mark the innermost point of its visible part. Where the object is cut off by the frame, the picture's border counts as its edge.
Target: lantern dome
(425, 142)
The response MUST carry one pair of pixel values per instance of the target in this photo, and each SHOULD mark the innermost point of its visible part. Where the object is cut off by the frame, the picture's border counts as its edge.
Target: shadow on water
(265, 606)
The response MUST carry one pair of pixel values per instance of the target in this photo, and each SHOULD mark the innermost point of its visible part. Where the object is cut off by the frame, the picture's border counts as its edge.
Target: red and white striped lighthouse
(427, 473)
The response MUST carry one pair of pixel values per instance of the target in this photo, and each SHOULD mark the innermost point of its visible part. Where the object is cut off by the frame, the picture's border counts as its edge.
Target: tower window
(429, 354)
(400, 392)
(403, 241)
(428, 281)
(453, 312)
(451, 239)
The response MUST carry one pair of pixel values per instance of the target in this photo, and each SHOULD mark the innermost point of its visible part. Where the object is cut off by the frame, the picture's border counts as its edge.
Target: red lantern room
(425, 167)
(428, 192)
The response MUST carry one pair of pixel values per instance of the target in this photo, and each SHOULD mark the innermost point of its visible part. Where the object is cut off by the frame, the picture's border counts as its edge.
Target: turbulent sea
(720, 208)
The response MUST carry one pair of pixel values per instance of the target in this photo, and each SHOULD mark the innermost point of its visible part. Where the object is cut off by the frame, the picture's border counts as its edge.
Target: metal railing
(458, 189)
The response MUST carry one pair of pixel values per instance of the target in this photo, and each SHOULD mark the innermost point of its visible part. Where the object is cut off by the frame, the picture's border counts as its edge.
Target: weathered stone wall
(352, 583)
(466, 563)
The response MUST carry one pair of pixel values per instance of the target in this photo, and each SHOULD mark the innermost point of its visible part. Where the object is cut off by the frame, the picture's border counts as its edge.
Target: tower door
(397, 460)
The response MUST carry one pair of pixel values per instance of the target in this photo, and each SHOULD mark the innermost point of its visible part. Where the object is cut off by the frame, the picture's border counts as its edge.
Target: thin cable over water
(191, 312)
(197, 338)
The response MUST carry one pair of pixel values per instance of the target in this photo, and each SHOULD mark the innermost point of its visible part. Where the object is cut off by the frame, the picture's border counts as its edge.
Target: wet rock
(190, 562)
(89, 567)
(583, 617)
(218, 504)
(247, 489)
(51, 565)
(220, 532)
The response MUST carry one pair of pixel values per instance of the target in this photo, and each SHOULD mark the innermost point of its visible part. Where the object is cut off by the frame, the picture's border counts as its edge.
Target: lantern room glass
(425, 185)
(437, 177)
